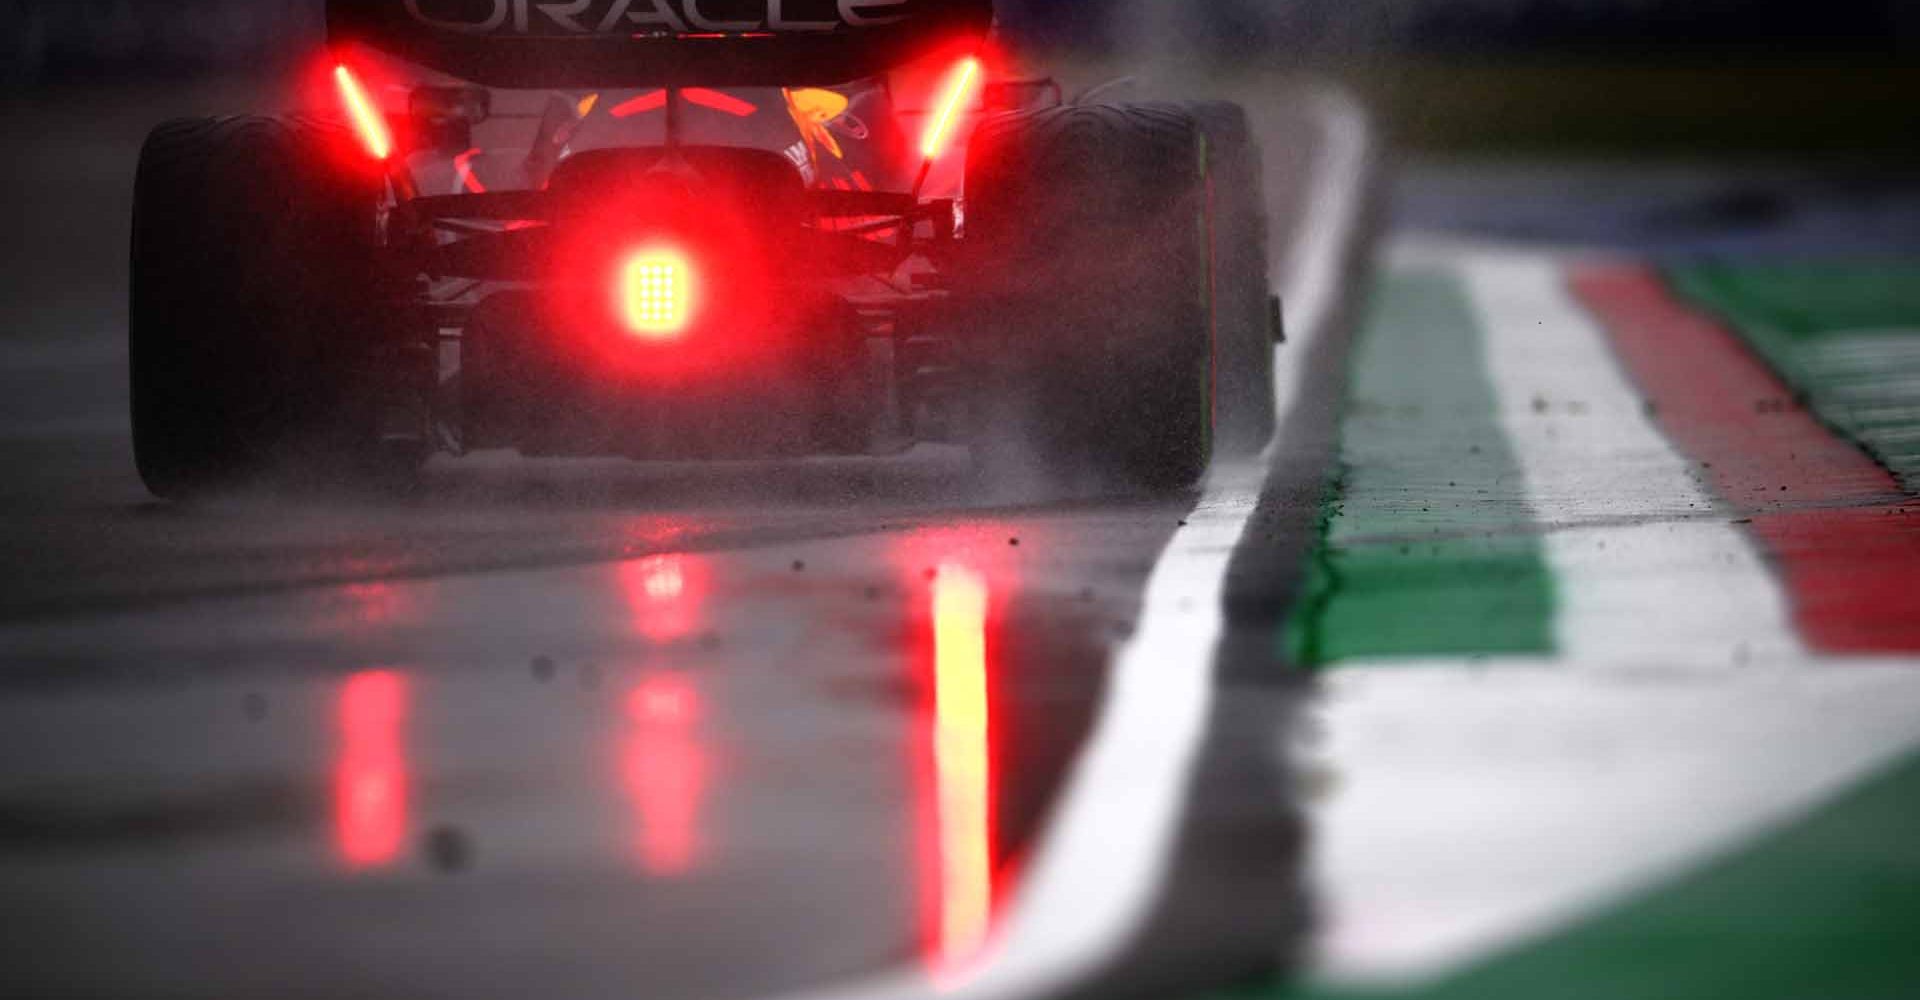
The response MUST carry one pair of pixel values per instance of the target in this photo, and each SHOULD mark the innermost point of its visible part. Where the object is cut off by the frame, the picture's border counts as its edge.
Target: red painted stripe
(1845, 539)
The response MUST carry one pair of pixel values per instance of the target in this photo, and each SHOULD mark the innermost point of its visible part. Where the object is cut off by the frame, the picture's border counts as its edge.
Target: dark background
(1829, 79)
(51, 40)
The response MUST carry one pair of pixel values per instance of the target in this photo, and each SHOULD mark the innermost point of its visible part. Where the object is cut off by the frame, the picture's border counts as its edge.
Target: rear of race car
(672, 229)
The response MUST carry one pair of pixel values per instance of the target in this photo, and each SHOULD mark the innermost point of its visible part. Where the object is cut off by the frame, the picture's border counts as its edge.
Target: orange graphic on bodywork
(813, 110)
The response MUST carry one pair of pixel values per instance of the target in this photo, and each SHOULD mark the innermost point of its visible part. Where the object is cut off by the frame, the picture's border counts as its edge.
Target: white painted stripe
(1104, 856)
(1101, 862)
(1645, 574)
(1479, 807)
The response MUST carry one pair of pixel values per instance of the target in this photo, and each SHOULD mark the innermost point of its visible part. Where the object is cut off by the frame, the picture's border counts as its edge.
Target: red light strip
(726, 103)
(367, 119)
(959, 88)
(652, 101)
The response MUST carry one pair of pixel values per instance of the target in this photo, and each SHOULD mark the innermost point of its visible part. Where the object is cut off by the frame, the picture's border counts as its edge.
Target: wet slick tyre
(1242, 288)
(254, 302)
(1088, 282)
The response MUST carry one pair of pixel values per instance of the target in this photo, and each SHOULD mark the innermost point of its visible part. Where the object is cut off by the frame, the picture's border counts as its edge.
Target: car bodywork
(568, 181)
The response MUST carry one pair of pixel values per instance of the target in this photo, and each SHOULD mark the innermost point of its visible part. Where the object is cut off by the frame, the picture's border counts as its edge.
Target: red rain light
(366, 117)
(962, 764)
(655, 290)
(370, 781)
(960, 86)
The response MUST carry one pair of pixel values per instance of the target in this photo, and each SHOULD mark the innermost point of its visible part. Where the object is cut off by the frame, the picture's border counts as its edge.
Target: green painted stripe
(1427, 547)
(1846, 336)
(1822, 909)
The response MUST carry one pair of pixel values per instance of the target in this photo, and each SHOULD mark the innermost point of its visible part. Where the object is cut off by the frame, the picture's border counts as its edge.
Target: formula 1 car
(687, 229)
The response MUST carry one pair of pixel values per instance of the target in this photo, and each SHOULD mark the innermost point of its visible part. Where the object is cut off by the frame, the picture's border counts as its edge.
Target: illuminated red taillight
(655, 289)
(367, 119)
(959, 87)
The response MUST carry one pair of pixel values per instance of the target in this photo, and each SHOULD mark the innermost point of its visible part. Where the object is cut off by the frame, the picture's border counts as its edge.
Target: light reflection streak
(667, 772)
(666, 595)
(370, 780)
(962, 766)
(376, 603)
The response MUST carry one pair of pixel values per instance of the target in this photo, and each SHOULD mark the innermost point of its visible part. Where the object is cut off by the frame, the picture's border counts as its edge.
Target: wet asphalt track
(602, 729)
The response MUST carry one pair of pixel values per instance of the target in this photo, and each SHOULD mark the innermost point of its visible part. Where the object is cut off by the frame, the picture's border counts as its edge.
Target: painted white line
(1477, 808)
(1101, 862)
(1670, 590)
(1104, 859)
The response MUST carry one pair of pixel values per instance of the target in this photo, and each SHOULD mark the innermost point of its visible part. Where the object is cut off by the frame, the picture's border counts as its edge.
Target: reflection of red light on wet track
(662, 579)
(666, 771)
(962, 776)
(375, 603)
(666, 595)
(370, 782)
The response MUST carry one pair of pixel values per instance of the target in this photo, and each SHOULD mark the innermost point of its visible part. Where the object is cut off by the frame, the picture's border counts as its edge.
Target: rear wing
(567, 44)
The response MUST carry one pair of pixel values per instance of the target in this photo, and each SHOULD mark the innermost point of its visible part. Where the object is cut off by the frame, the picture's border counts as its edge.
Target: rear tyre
(255, 307)
(1088, 283)
(1242, 288)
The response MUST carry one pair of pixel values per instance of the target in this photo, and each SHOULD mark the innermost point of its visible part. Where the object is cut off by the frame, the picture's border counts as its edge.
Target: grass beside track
(1844, 335)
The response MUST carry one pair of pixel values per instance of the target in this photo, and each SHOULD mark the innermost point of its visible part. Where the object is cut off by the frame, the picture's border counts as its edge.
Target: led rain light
(367, 119)
(656, 294)
(959, 88)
